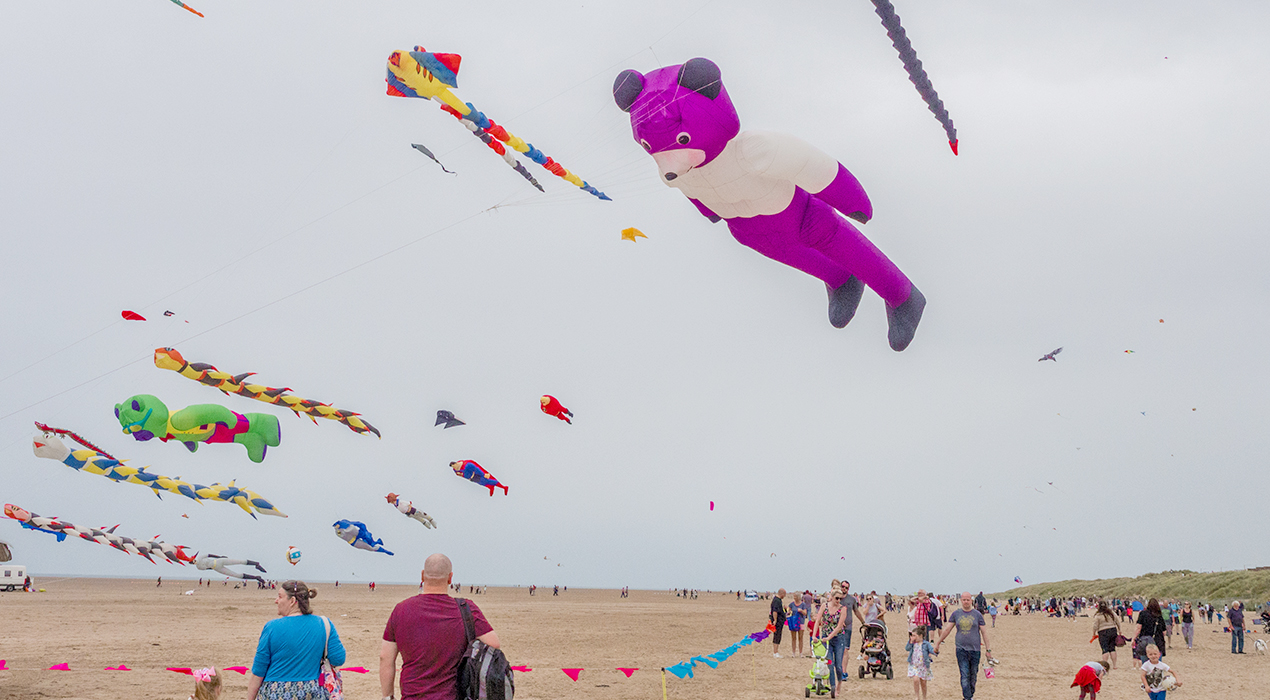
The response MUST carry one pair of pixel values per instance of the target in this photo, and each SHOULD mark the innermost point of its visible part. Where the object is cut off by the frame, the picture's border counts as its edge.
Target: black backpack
(484, 673)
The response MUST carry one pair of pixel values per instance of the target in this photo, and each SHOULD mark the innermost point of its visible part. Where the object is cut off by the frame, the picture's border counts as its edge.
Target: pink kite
(521, 669)
(355, 669)
(240, 670)
(628, 671)
(120, 667)
(712, 506)
(572, 672)
(60, 667)
(131, 316)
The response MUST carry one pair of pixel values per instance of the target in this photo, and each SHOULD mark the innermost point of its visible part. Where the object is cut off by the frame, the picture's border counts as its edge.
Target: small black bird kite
(1050, 356)
(444, 416)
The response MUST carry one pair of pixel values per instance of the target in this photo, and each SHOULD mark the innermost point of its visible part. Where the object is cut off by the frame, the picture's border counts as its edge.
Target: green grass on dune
(1250, 586)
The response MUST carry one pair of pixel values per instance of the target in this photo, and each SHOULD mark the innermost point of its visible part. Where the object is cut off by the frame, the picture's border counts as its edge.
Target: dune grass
(1250, 585)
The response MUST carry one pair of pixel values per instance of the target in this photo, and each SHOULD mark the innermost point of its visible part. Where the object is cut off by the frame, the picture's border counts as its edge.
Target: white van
(12, 577)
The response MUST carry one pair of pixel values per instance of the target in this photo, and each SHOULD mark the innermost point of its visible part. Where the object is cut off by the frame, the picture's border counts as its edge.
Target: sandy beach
(94, 623)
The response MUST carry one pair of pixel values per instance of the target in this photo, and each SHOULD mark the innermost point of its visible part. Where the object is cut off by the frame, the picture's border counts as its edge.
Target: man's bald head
(437, 569)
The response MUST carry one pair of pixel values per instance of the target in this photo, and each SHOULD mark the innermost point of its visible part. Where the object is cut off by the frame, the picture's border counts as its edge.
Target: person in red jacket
(552, 407)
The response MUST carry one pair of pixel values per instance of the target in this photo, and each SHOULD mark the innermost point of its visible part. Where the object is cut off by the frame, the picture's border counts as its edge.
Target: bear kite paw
(844, 300)
(902, 320)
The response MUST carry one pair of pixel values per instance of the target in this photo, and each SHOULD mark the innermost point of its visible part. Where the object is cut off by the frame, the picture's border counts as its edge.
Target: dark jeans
(838, 648)
(968, 663)
(1236, 634)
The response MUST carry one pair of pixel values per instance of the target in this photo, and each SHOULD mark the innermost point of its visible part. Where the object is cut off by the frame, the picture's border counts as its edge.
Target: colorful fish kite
(430, 76)
(476, 474)
(444, 416)
(145, 548)
(917, 74)
(181, 4)
(408, 509)
(145, 417)
(356, 534)
(219, 564)
(169, 358)
(1050, 356)
(49, 446)
(551, 406)
(428, 152)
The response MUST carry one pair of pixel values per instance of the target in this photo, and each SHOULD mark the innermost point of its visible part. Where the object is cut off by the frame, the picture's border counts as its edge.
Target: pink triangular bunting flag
(521, 669)
(120, 667)
(572, 672)
(60, 667)
(240, 670)
(355, 669)
(186, 671)
(628, 671)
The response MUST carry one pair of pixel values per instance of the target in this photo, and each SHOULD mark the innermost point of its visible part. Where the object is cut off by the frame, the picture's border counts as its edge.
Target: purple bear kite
(777, 192)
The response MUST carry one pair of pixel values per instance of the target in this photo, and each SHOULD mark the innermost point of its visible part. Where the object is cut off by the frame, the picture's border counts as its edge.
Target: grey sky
(1101, 187)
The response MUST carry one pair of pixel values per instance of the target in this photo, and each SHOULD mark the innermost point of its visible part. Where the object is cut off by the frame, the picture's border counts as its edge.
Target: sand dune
(94, 623)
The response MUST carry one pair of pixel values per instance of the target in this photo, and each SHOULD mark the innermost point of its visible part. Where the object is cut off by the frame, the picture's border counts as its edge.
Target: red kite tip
(953, 144)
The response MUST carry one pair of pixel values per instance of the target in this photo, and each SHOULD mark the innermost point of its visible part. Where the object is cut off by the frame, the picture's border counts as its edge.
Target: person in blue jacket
(288, 660)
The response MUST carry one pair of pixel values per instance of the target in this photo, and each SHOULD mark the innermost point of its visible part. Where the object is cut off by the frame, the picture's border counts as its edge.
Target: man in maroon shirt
(427, 631)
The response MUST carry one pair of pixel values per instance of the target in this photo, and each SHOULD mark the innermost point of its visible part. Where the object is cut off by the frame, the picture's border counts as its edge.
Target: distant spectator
(1236, 616)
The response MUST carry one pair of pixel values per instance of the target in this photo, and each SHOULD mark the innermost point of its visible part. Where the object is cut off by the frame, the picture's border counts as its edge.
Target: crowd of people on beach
(1146, 626)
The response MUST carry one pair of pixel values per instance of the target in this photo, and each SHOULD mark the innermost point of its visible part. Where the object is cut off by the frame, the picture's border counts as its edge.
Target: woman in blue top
(289, 656)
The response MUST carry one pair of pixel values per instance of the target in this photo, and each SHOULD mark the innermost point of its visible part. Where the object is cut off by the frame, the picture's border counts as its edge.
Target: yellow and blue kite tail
(501, 133)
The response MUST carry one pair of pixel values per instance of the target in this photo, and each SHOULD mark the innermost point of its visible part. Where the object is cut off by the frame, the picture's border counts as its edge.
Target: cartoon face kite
(408, 509)
(777, 193)
(476, 474)
(145, 417)
(551, 406)
(356, 534)
(50, 446)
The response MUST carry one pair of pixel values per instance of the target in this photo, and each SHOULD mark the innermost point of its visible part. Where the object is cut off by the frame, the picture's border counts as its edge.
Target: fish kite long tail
(169, 358)
(917, 74)
(178, 2)
(495, 146)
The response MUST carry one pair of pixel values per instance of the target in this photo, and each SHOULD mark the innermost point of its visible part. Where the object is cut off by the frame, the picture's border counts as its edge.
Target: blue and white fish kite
(356, 534)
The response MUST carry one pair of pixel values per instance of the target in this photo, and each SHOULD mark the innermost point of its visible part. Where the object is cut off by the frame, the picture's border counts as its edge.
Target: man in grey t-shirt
(970, 627)
(850, 606)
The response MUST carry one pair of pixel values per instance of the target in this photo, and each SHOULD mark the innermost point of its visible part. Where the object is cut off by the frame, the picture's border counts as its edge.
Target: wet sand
(94, 623)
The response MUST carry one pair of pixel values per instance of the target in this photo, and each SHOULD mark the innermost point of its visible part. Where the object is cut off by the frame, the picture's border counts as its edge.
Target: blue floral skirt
(291, 690)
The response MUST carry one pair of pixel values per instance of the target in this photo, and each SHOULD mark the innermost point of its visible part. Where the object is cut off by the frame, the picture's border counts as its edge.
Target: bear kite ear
(626, 88)
(702, 76)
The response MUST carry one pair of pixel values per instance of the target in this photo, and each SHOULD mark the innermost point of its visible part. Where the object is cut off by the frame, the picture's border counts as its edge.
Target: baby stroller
(877, 653)
(820, 671)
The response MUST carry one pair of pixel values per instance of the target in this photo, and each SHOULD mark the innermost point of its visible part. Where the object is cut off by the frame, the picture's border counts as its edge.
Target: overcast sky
(247, 172)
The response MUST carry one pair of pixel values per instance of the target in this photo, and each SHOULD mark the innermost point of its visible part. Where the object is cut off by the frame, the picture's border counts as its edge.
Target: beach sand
(94, 623)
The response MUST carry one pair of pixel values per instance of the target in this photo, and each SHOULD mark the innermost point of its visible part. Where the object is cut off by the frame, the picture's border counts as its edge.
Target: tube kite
(428, 152)
(94, 462)
(356, 534)
(551, 406)
(145, 417)
(144, 548)
(917, 74)
(181, 4)
(408, 509)
(476, 474)
(430, 76)
(219, 564)
(169, 358)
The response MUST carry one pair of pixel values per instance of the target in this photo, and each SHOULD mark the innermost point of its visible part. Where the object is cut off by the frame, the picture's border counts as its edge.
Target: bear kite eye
(647, 147)
(683, 138)
(136, 406)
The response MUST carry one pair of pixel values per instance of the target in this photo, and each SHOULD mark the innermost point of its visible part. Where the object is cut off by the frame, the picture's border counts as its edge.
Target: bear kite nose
(671, 176)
